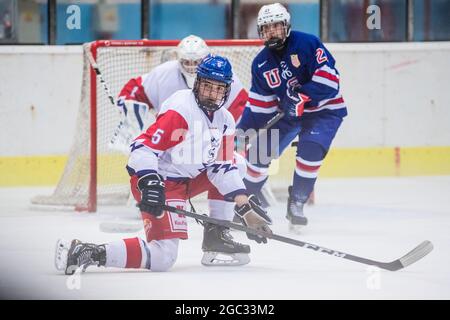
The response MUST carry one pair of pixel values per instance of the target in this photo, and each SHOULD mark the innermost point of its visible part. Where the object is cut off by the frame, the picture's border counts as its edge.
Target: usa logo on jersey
(272, 78)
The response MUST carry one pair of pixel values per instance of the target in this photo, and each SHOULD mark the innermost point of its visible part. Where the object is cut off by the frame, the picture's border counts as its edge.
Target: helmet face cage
(286, 30)
(210, 94)
(188, 69)
(190, 66)
(270, 15)
(190, 51)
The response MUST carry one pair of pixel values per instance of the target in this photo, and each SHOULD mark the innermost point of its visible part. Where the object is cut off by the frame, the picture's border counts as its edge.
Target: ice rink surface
(377, 218)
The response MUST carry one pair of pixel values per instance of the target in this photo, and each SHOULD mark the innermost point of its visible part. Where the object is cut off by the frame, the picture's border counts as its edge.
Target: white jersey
(162, 82)
(156, 86)
(184, 142)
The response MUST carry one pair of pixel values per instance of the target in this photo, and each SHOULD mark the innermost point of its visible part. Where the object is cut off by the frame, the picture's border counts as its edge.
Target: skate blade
(224, 259)
(296, 228)
(61, 252)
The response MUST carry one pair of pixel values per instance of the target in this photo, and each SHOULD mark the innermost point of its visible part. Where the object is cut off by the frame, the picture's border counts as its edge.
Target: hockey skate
(70, 256)
(218, 242)
(294, 214)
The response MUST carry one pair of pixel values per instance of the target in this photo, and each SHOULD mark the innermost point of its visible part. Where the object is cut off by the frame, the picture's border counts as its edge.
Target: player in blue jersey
(294, 74)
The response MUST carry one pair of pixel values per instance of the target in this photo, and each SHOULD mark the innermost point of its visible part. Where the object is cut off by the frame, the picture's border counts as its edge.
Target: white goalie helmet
(273, 13)
(191, 50)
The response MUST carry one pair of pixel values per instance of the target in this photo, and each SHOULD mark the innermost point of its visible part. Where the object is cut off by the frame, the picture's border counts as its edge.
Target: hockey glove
(254, 216)
(153, 198)
(294, 102)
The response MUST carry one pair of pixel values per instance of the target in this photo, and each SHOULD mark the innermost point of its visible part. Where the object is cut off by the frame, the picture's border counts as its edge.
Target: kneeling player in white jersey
(149, 91)
(187, 151)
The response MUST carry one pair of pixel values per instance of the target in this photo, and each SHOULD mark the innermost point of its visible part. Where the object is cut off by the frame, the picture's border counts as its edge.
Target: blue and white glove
(254, 216)
(294, 102)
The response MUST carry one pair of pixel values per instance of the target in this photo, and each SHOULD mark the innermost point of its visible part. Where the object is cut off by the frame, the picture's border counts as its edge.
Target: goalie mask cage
(94, 173)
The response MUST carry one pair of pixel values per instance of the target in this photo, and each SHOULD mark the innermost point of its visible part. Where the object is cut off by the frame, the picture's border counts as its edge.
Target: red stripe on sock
(306, 167)
(134, 254)
(253, 173)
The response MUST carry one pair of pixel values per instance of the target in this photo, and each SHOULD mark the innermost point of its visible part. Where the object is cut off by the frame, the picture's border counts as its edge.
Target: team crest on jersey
(295, 60)
(212, 152)
(272, 78)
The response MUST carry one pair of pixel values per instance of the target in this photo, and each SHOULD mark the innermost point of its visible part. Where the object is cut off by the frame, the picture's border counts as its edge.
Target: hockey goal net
(95, 173)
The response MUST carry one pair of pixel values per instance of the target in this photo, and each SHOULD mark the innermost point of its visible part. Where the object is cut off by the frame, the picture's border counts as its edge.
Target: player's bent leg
(169, 225)
(218, 245)
(309, 158)
(259, 157)
(163, 254)
(135, 253)
(162, 233)
(315, 139)
(128, 253)
(218, 207)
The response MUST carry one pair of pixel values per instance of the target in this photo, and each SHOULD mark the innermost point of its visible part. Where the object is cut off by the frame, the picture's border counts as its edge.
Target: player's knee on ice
(163, 254)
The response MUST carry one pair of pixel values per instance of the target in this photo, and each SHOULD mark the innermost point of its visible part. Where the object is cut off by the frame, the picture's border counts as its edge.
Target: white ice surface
(381, 218)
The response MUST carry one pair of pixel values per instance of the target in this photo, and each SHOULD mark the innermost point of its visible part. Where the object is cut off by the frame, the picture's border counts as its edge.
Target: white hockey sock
(221, 209)
(127, 253)
(163, 254)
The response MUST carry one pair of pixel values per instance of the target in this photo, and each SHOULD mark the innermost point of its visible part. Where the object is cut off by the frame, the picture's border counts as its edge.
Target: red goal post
(95, 174)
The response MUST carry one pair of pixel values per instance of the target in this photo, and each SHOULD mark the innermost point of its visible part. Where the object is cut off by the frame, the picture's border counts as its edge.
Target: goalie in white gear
(149, 91)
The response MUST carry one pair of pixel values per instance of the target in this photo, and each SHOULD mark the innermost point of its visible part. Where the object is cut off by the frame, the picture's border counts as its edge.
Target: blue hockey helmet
(215, 68)
(219, 70)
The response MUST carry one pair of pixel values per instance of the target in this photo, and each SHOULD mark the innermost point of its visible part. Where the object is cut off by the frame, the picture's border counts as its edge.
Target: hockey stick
(411, 257)
(269, 124)
(94, 66)
(105, 86)
(273, 121)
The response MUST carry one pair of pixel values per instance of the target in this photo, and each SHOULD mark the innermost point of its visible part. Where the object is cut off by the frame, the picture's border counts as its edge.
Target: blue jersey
(305, 63)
